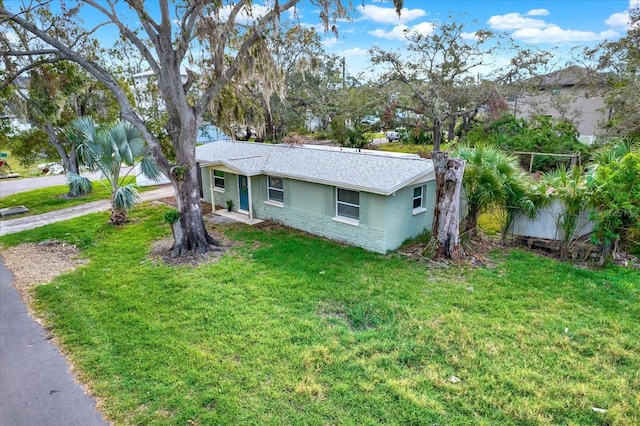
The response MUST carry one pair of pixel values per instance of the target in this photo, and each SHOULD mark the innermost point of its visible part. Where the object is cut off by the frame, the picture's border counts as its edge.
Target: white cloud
(398, 32)
(469, 36)
(621, 19)
(538, 12)
(555, 34)
(514, 21)
(424, 28)
(534, 30)
(618, 20)
(356, 51)
(330, 42)
(388, 15)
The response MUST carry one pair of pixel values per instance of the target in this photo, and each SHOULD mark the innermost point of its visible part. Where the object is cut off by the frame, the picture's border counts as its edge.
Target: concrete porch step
(238, 217)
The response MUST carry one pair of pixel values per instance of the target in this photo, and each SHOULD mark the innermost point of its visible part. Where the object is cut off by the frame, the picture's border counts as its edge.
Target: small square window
(275, 189)
(418, 198)
(218, 179)
(348, 203)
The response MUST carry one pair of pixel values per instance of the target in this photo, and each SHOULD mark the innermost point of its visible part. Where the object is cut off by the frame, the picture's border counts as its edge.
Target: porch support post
(250, 200)
(213, 201)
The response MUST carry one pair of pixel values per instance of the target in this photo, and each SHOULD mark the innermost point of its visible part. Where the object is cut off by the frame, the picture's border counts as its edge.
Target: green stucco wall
(385, 222)
(402, 224)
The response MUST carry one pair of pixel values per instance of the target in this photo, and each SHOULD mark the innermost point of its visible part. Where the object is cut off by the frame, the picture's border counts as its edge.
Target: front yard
(285, 328)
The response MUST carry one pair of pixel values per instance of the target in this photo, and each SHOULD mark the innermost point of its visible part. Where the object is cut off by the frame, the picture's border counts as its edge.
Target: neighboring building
(571, 93)
(368, 199)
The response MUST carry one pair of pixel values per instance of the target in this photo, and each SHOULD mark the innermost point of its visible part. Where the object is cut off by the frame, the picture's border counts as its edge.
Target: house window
(348, 204)
(218, 179)
(418, 199)
(275, 189)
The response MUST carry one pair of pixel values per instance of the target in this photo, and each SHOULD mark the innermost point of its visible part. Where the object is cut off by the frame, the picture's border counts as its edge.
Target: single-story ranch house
(368, 199)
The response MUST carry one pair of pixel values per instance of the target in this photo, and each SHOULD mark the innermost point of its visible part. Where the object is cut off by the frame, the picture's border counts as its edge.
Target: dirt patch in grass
(161, 251)
(33, 264)
(477, 251)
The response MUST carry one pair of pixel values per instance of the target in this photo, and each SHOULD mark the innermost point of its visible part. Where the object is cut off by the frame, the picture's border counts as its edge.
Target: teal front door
(244, 192)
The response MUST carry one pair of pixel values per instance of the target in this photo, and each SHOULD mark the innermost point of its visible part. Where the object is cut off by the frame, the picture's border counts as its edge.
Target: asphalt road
(36, 387)
(12, 186)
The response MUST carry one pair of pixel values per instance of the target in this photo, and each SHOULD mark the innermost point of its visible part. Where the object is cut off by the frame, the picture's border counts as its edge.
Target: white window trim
(269, 187)
(214, 177)
(345, 219)
(421, 209)
(274, 203)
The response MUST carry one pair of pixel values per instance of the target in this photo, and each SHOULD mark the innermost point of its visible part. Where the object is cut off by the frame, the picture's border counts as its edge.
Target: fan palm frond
(78, 184)
(125, 197)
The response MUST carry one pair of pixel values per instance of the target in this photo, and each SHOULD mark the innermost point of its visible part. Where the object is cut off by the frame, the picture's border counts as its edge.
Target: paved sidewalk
(36, 387)
(12, 226)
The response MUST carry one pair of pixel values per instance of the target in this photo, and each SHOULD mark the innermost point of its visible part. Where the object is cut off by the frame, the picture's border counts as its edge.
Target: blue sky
(559, 24)
(548, 25)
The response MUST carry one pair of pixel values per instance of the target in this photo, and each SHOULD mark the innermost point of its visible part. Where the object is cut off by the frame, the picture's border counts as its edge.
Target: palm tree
(615, 195)
(106, 149)
(493, 180)
(570, 187)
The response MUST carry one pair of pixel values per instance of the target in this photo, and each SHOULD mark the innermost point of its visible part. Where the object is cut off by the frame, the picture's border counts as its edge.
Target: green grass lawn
(290, 329)
(44, 200)
(409, 148)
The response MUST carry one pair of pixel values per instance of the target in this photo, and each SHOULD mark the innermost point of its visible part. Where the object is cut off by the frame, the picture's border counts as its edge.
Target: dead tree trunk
(446, 220)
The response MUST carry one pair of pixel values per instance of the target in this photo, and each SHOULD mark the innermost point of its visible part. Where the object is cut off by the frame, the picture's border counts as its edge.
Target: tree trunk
(69, 160)
(471, 221)
(190, 233)
(437, 136)
(452, 129)
(118, 216)
(446, 220)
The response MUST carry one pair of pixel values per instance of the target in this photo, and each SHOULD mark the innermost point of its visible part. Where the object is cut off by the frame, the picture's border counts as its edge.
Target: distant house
(571, 93)
(364, 198)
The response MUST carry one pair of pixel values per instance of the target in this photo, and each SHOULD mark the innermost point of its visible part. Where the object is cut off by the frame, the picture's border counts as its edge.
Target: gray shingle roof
(362, 171)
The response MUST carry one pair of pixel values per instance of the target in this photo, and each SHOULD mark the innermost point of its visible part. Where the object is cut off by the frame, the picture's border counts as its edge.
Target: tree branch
(126, 32)
(28, 52)
(7, 81)
(100, 74)
(243, 53)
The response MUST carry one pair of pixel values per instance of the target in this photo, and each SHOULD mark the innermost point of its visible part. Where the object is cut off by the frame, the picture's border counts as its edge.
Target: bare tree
(222, 40)
(440, 76)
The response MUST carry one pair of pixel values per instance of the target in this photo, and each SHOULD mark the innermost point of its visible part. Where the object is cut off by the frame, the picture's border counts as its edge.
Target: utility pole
(344, 74)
